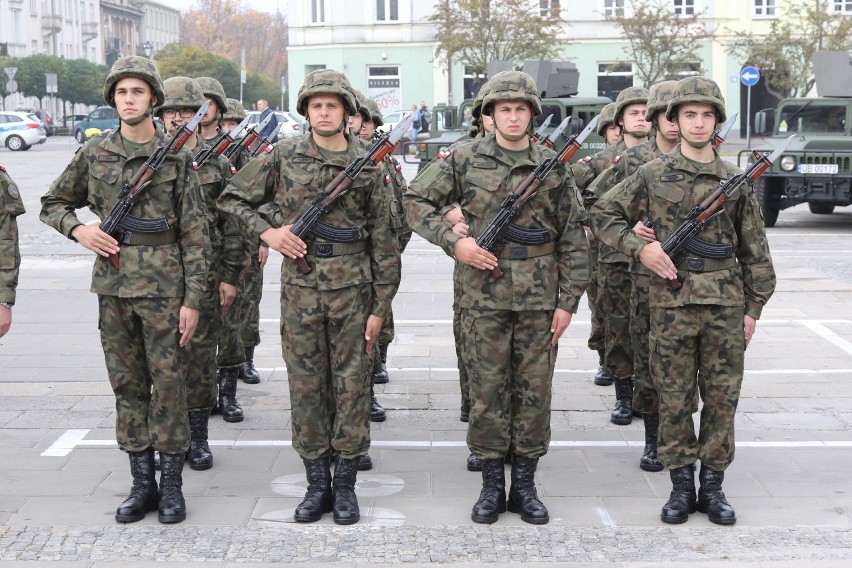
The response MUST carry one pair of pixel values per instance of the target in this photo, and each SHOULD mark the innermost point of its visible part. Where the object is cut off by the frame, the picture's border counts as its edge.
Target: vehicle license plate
(817, 168)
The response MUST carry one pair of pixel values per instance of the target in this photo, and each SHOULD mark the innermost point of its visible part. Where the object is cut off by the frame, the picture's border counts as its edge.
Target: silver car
(21, 130)
(288, 124)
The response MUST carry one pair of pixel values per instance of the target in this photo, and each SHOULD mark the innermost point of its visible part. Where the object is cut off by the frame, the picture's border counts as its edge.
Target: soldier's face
(356, 121)
(325, 113)
(666, 128)
(228, 125)
(696, 122)
(367, 130)
(212, 110)
(612, 135)
(511, 118)
(633, 121)
(132, 98)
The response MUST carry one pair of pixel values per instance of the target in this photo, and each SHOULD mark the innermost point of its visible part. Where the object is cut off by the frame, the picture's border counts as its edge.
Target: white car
(288, 124)
(21, 130)
(392, 118)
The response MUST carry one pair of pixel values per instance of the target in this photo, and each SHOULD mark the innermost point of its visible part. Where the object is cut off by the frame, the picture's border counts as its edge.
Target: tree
(30, 76)
(661, 43)
(476, 32)
(785, 56)
(82, 82)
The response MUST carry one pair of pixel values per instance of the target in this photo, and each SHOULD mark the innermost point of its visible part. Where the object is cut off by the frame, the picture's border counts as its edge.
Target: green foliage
(79, 81)
(785, 56)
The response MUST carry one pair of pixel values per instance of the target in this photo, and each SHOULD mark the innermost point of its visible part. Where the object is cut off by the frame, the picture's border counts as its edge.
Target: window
(613, 8)
(843, 6)
(684, 7)
(548, 8)
(317, 11)
(473, 80)
(764, 8)
(614, 77)
(387, 10)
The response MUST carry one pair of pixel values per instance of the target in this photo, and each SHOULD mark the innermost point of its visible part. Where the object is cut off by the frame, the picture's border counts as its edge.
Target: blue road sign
(749, 76)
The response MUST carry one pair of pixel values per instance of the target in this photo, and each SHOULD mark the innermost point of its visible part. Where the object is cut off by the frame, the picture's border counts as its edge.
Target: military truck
(451, 123)
(817, 168)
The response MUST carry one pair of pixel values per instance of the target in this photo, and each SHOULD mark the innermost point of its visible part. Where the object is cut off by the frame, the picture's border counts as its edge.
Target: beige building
(137, 27)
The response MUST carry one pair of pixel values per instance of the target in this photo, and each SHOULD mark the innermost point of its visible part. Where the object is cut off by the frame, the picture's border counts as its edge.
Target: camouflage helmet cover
(661, 94)
(627, 97)
(137, 67)
(326, 81)
(476, 110)
(181, 93)
(212, 88)
(512, 86)
(235, 111)
(375, 113)
(607, 117)
(697, 90)
(363, 108)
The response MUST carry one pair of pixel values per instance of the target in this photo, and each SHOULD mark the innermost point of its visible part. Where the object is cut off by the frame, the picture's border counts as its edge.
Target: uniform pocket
(669, 192)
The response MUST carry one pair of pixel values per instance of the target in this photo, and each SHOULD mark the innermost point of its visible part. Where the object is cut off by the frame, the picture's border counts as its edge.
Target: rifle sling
(327, 250)
(513, 251)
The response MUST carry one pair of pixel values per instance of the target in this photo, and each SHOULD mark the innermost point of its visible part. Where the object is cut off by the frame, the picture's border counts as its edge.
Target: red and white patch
(387, 179)
(443, 153)
(586, 159)
(233, 170)
(194, 165)
(616, 160)
(2, 168)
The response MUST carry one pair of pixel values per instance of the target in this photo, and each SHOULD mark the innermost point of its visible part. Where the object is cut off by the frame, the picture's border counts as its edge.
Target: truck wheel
(768, 202)
(821, 208)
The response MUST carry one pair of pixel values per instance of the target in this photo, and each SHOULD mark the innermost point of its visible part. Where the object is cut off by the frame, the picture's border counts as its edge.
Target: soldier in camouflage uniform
(331, 317)
(214, 93)
(149, 306)
(613, 271)
(506, 321)
(11, 206)
(607, 128)
(183, 99)
(699, 332)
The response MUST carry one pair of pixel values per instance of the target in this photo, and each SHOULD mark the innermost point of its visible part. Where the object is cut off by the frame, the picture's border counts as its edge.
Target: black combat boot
(602, 377)
(492, 498)
(143, 496)
(172, 505)
(622, 414)
(380, 370)
(346, 511)
(365, 463)
(199, 455)
(248, 373)
(228, 405)
(682, 499)
(377, 413)
(649, 461)
(473, 463)
(523, 497)
(318, 496)
(711, 499)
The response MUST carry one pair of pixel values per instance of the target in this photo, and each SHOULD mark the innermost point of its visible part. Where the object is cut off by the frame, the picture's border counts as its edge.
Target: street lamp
(147, 49)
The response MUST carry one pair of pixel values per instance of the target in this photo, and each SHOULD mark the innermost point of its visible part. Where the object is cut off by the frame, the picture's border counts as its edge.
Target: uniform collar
(307, 147)
(677, 161)
(488, 147)
(112, 143)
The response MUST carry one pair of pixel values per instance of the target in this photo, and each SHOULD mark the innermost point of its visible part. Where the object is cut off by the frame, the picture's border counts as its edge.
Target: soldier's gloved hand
(227, 294)
(645, 233)
(262, 255)
(467, 251)
(749, 326)
(653, 257)
(5, 320)
(371, 333)
(188, 322)
(285, 242)
(91, 237)
(558, 325)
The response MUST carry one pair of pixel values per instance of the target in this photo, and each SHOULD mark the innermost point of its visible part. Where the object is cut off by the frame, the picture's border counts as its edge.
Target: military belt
(520, 252)
(694, 264)
(149, 239)
(327, 250)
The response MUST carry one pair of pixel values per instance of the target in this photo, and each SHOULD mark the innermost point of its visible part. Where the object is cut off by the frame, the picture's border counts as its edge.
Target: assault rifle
(222, 143)
(548, 140)
(310, 223)
(249, 138)
(712, 206)
(130, 191)
(539, 132)
(500, 229)
(265, 135)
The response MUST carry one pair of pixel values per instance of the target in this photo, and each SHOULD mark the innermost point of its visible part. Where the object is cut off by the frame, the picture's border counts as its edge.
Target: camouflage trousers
(147, 372)
(510, 367)
(388, 330)
(703, 345)
(597, 339)
(458, 336)
(231, 351)
(251, 290)
(614, 287)
(322, 336)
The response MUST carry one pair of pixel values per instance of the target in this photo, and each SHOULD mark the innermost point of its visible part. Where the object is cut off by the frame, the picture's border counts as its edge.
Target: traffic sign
(10, 72)
(11, 86)
(749, 76)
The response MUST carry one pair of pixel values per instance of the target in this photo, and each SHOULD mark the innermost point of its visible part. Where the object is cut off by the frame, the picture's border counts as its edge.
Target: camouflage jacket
(277, 187)
(478, 176)
(11, 205)
(395, 185)
(227, 237)
(94, 179)
(663, 191)
(621, 168)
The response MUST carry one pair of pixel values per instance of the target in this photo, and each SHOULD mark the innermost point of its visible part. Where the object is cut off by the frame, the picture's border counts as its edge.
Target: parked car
(288, 124)
(71, 120)
(392, 118)
(102, 118)
(44, 117)
(21, 130)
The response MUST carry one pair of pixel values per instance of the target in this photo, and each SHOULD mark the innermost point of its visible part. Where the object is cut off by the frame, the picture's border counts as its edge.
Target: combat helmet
(137, 67)
(235, 111)
(212, 88)
(606, 118)
(697, 90)
(512, 86)
(363, 108)
(476, 110)
(375, 113)
(326, 81)
(181, 93)
(660, 95)
(627, 97)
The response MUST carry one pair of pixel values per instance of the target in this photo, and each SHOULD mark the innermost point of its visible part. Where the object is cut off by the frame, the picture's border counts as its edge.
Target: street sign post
(749, 77)
(10, 72)
(11, 86)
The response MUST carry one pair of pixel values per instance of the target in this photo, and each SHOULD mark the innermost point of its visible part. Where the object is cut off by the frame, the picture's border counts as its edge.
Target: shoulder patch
(13, 191)
(108, 158)
(586, 159)
(616, 159)
(444, 152)
(671, 177)
(2, 168)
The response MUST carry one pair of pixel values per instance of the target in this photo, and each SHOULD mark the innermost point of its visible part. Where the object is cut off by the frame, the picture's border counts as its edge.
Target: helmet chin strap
(139, 119)
(330, 133)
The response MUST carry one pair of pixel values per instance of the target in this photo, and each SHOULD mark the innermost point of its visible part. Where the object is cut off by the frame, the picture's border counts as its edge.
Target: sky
(259, 5)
